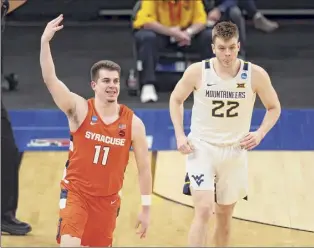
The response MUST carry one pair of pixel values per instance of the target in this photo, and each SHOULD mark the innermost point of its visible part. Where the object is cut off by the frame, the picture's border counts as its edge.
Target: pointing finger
(56, 19)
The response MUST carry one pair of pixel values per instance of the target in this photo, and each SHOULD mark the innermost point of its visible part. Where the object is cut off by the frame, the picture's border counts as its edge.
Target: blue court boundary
(47, 130)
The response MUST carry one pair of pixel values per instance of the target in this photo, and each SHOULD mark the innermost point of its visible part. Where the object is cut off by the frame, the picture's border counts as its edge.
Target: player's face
(226, 51)
(107, 86)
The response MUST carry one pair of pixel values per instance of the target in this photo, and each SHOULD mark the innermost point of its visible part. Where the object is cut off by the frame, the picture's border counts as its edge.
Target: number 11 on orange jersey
(101, 152)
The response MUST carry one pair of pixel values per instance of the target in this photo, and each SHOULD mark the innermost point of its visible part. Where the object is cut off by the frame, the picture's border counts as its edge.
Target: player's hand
(143, 223)
(51, 28)
(251, 140)
(184, 145)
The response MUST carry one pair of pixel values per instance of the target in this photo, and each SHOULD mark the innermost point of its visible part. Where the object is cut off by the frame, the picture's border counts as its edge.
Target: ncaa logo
(94, 118)
(244, 75)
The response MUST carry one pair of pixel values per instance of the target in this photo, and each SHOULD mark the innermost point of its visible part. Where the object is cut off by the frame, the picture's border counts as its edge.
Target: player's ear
(93, 84)
(213, 48)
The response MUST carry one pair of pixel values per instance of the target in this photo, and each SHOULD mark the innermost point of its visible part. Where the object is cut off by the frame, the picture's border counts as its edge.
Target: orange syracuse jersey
(99, 153)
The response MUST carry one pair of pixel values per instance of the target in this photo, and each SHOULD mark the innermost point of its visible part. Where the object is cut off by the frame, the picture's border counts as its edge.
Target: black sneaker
(11, 225)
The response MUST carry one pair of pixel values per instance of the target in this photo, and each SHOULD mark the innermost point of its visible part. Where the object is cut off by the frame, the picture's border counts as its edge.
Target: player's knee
(203, 204)
(203, 213)
(224, 216)
(69, 241)
(224, 210)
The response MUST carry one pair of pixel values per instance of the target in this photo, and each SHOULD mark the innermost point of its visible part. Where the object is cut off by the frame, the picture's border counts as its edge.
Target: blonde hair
(225, 30)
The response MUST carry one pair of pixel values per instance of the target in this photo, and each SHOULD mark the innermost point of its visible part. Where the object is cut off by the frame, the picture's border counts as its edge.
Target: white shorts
(225, 166)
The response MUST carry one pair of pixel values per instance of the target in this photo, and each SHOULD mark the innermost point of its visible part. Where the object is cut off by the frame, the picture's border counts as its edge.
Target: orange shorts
(90, 218)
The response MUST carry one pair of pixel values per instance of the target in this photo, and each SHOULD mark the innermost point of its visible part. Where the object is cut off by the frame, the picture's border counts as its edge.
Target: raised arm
(62, 96)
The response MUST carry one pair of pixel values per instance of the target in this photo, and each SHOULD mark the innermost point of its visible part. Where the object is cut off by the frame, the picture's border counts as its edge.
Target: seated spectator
(159, 24)
(218, 10)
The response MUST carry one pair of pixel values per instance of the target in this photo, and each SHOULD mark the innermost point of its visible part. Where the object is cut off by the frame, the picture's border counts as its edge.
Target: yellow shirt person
(159, 24)
(180, 13)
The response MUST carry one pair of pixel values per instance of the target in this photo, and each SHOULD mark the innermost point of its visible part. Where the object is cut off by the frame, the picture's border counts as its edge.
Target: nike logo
(93, 123)
(112, 202)
(210, 84)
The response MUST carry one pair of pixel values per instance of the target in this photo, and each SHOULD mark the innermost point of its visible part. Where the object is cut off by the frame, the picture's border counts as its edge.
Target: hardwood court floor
(38, 204)
(280, 186)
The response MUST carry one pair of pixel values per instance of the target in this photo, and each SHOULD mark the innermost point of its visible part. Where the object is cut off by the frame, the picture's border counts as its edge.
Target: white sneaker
(149, 93)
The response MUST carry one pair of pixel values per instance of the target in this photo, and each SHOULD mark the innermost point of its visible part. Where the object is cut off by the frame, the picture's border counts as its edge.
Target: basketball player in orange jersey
(102, 132)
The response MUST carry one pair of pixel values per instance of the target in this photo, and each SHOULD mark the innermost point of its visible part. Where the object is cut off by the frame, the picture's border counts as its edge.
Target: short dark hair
(103, 64)
(225, 30)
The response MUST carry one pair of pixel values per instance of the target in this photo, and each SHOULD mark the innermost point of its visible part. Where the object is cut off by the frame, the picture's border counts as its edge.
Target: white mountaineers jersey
(222, 109)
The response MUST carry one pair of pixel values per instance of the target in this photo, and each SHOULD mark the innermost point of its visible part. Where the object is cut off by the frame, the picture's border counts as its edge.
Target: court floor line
(154, 168)
(237, 218)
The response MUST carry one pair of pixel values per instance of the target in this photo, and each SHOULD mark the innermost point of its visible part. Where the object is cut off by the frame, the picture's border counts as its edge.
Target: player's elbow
(278, 110)
(175, 99)
(49, 79)
(275, 108)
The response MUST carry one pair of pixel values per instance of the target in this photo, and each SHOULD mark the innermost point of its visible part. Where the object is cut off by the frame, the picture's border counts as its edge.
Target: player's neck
(231, 71)
(106, 108)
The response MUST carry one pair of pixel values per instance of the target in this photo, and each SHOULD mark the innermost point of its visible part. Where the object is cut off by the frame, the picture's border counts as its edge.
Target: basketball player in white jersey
(224, 94)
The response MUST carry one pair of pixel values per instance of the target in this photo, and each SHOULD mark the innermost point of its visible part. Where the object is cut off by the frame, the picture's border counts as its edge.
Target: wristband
(146, 200)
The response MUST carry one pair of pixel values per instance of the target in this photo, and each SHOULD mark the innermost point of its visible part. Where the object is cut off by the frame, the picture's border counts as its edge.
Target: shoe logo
(93, 123)
(210, 84)
(198, 179)
(112, 202)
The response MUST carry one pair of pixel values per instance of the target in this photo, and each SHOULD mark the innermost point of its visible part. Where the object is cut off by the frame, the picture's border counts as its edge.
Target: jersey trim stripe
(207, 64)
